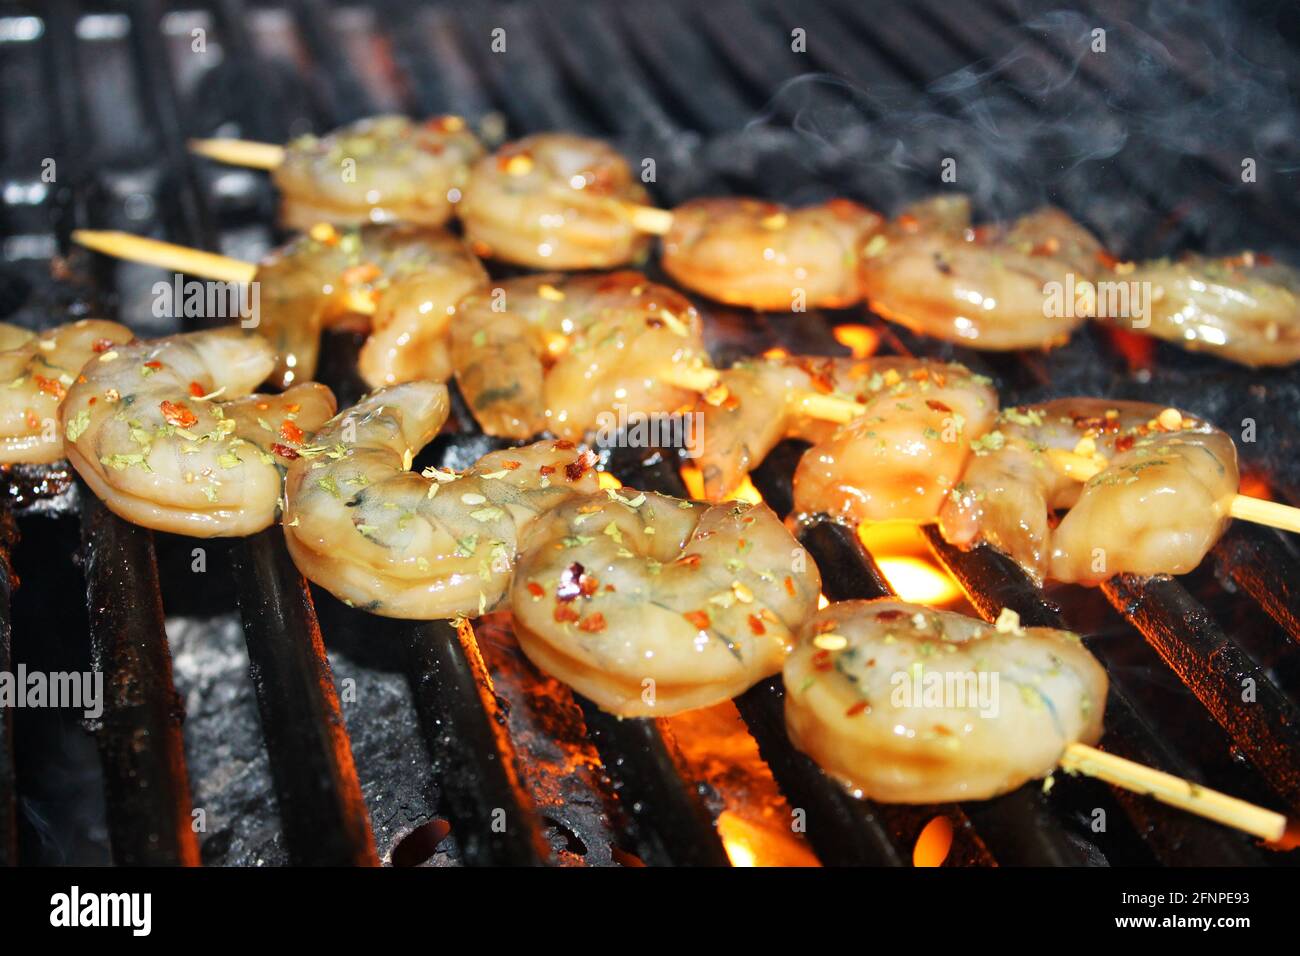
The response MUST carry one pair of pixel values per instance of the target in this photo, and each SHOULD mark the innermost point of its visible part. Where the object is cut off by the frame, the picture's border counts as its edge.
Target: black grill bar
(8, 784)
(1215, 668)
(492, 818)
(139, 737)
(993, 581)
(319, 796)
(1265, 568)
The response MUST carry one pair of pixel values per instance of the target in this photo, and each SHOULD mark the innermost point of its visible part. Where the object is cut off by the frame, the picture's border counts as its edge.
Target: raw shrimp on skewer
(896, 461)
(167, 433)
(1148, 489)
(402, 282)
(650, 605)
(402, 544)
(911, 705)
(553, 352)
(983, 287)
(384, 169)
(766, 256)
(554, 201)
(1245, 307)
(36, 372)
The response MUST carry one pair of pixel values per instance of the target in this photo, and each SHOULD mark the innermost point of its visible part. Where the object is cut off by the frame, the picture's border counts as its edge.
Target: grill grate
(719, 99)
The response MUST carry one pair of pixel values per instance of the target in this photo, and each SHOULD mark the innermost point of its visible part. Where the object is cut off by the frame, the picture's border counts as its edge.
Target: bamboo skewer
(254, 155)
(1078, 758)
(1175, 791)
(1242, 507)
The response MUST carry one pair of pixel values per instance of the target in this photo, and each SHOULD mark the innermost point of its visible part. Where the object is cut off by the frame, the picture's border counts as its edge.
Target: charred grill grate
(683, 85)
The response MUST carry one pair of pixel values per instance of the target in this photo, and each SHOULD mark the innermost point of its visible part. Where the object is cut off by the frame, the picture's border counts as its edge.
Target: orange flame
(933, 844)
(861, 340)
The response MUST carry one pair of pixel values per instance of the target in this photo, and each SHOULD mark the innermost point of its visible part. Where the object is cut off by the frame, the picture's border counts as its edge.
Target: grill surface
(406, 733)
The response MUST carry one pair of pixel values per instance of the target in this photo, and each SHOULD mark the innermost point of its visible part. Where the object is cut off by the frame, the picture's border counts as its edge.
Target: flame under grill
(416, 727)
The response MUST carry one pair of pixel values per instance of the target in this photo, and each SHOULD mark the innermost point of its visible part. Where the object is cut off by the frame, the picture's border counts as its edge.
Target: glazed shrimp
(910, 705)
(650, 605)
(986, 287)
(1157, 505)
(1245, 307)
(384, 169)
(552, 352)
(897, 461)
(554, 201)
(167, 433)
(766, 256)
(36, 372)
(396, 543)
(409, 277)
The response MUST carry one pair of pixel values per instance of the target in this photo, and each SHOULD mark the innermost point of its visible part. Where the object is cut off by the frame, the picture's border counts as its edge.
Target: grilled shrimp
(553, 352)
(375, 534)
(384, 169)
(554, 201)
(987, 287)
(896, 461)
(759, 254)
(36, 372)
(910, 705)
(1156, 506)
(167, 433)
(409, 277)
(1245, 308)
(650, 605)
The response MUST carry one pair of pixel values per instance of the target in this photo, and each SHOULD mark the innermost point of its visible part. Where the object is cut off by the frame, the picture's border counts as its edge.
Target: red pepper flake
(689, 560)
(546, 469)
(610, 588)
(93, 399)
(50, 386)
(857, 708)
(892, 615)
(33, 420)
(592, 623)
(563, 444)
(821, 660)
(1124, 442)
(155, 365)
(284, 451)
(511, 465)
(291, 432)
(565, 614)
(1106, 259)
(789, 586)
(102, 345)
(937, 406)
(197, 390)
(536, 589)
(175, 413)
(576, 468)
(699, 619)
(756, 625)
(575, 582)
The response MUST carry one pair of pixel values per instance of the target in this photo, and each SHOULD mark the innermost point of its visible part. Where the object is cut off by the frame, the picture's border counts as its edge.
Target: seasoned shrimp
(759, 254)
(409, 277)
(910, 705)
(988, 287)
(552, 352)
(385, 169)
(36, 372)
(1157, 505)
(167, 433)
(1245, 308)
(434, 545)
(898, 460)
(554, 201)
(650, 605)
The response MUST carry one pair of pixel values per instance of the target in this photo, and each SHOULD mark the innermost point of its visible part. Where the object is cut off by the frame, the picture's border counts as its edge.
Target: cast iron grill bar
(841, 830)
(8, 783)
(491, 817)
(322, 810)
(139, 737)
(993, 581)
(1259, 561)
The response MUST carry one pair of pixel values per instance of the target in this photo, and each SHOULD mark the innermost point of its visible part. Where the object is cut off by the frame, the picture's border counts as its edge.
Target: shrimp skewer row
(759, 254)
(427, 545)
(649, 605)
(382, 169)
(906, 704)
(169, 436)
(36, 372)
(402, 282)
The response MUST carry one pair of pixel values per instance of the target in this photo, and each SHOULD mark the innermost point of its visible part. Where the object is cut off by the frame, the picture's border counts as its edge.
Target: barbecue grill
(253, 720)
